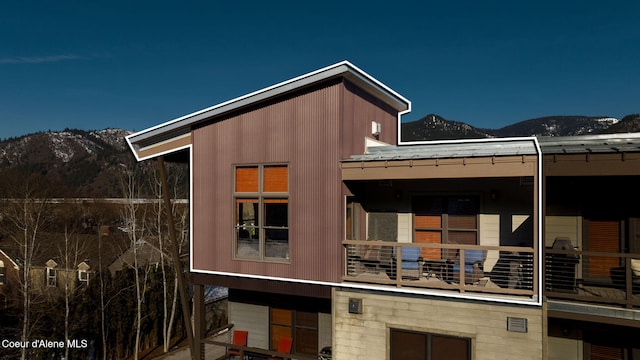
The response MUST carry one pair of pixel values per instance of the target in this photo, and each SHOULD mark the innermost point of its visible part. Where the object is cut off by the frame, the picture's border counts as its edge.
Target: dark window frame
(430, 351)
(3, 274)
(263, 226)
(295, 326)
(83, 276)
(446, 229)
(51, 277)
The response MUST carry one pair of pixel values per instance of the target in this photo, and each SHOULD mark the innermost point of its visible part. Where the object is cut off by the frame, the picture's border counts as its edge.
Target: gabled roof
(181, 126)
(11, 262)
(147, 254)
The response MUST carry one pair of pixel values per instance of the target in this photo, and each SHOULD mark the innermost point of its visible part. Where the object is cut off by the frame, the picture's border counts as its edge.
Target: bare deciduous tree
(27, 212)
(158, 229)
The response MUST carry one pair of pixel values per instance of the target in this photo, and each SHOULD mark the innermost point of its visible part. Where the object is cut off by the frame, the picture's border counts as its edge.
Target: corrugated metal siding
(360, 109)
(302, 131)
(311, 132)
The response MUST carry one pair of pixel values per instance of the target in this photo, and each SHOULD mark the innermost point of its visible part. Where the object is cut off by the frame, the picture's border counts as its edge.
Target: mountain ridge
(436, 127)
(79, 163)
(74, 162)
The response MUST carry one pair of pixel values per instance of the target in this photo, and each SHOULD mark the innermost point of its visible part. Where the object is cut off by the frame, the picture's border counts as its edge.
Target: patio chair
(371, 258)
(473, 266)
(411, 262)
(284, 346)
(239, 338)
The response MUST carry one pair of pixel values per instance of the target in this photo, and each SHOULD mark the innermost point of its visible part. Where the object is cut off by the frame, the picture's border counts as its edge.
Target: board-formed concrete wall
(366, 335)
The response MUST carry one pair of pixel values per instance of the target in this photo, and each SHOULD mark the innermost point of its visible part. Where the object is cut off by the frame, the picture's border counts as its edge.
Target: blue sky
(135, 64)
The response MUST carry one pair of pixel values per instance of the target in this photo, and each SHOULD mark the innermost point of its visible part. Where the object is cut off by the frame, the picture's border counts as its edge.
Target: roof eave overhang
(504, 164)
(451, 168)
(178, 128)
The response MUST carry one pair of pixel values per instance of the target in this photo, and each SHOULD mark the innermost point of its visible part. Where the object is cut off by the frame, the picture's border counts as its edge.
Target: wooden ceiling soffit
(164, 147)
(612, 164)
(450, 168)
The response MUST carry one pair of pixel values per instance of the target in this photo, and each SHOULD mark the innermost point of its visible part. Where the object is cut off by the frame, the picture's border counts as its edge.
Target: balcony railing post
(462, 271)
(398, 266)
(505, 269)
(628, 280)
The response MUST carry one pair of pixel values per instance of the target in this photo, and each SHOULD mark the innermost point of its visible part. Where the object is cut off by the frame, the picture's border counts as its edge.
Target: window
(445, 220)
(409, 345)
(302, 326)
(261, 200)
(83, 276)
(51, 277)
(3, 273)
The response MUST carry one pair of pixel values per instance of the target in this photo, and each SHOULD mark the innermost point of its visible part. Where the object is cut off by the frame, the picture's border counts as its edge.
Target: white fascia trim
(190, 209)
(285, 85)
(377, 83)
(540, 218)
(131, 147)
(472, 141)
(425, 292)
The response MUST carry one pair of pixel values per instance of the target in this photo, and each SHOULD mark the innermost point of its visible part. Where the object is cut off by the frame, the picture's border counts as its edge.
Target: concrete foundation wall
(366, 336)
(565, 349)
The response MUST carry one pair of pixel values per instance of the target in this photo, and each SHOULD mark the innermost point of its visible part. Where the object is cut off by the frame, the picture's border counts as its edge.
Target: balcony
(592, 277)
(501, 270)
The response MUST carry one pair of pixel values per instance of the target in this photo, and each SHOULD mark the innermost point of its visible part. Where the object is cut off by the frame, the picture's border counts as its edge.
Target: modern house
(328, 230)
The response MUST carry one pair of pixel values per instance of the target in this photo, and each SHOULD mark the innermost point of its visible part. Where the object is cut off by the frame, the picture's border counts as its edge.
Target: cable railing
(508, 270)
(591, 276)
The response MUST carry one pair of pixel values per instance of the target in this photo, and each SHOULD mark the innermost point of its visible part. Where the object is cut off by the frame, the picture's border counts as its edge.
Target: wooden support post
(198, 321)
(175, 253)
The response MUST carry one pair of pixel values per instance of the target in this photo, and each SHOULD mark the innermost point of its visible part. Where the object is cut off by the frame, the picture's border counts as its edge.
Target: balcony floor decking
(606, 292)
(482, 288)
(597, 295)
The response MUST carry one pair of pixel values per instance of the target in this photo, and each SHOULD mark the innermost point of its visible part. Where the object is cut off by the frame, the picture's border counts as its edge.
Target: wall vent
(355, 306)
(517, 324)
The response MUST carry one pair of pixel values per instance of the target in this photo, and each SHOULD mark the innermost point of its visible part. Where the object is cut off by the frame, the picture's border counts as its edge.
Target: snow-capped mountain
(435, 127)
(78, 163)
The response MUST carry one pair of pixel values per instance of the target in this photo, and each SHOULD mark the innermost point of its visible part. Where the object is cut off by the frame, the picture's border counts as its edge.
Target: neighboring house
(147, 254)
(9, 280)
(49, 273)
(327, 229)
(52, 279)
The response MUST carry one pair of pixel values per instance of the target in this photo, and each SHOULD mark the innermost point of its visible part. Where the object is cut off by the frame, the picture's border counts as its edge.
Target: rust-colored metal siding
(302, 131)
(360, 109)
(309, 132)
